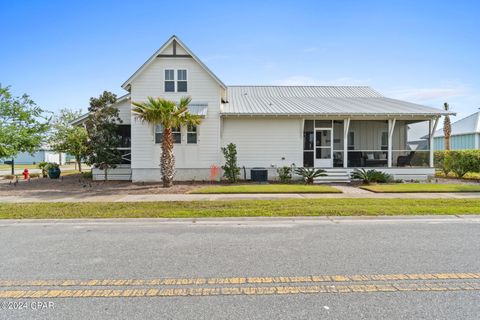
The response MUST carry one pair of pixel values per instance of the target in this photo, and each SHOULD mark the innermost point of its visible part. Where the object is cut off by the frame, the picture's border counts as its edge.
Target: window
(181, 80)
(351, 140)
(169, 80)
(176, 134)
(384, 140)
(158, 133)
(192, 134)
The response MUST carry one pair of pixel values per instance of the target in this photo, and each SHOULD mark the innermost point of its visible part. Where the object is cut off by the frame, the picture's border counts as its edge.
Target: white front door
(323, 148)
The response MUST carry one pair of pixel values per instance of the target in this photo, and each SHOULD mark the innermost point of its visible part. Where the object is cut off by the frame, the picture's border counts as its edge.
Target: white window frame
(155, 132)
(196, 133)
(165, 80)
(175, 80)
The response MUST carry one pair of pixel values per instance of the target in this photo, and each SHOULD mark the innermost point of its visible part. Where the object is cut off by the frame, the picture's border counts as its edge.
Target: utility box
(259, 174)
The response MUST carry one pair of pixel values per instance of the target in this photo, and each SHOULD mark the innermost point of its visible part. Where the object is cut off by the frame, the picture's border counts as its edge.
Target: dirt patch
(75, 184)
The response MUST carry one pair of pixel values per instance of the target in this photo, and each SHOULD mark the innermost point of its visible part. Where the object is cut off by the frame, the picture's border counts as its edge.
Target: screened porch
(351, 143)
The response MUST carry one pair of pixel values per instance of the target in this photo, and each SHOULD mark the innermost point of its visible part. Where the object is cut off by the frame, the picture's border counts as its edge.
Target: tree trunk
(79, 161)
(447, 143)
(167, 160)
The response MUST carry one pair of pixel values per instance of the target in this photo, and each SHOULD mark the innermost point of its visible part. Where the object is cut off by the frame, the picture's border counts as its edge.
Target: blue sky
(62, 53)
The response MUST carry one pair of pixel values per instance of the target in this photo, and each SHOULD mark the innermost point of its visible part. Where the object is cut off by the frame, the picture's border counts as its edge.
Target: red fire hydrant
(26, 174)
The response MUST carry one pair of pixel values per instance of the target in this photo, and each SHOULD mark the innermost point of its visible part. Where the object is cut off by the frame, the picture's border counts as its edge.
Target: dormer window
(181, 80)
(169, 80)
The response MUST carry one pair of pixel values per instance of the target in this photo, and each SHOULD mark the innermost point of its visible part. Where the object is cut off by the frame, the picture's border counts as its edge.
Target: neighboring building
(39, 156)
(465, 134)
(342, 127)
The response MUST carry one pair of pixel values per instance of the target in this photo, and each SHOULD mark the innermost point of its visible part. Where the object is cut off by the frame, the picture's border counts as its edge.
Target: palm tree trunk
(167, 160)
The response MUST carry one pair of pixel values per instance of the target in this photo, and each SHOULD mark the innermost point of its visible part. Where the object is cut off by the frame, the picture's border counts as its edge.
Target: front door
(323, 148)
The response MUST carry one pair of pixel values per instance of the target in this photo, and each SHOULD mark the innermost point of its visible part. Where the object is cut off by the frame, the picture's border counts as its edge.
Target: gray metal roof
(317, 100)
(199, 109)
(467, 125)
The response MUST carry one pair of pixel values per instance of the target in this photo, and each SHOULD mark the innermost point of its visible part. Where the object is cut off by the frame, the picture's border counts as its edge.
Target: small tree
(169, 115)
(447, 127)
(23, 125)
(67, 138)
(230, 169)
(102, 129)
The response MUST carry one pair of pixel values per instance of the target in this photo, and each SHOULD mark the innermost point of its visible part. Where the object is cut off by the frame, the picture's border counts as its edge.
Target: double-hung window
(181, 80)
(169, 80)
(176, 134)
(192, 134)
(178, 83)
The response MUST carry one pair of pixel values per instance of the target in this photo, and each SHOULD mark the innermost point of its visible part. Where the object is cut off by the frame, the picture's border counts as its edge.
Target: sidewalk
(348, 192)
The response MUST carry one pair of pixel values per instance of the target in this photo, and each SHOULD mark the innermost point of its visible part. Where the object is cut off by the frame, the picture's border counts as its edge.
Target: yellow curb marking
(238, 280)
(278, 290)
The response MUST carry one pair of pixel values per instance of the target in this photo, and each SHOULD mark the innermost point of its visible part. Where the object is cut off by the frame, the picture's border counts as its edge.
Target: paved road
(241, 269)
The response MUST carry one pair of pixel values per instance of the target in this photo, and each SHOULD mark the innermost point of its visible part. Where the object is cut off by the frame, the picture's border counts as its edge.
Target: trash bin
(259, 174)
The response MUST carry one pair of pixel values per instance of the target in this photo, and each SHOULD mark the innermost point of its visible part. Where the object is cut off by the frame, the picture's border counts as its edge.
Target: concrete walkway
(348, 192)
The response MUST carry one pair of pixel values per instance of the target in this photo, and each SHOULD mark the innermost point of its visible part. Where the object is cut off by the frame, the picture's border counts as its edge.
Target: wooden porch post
(346, 127)
(391, 127)
(432, 128)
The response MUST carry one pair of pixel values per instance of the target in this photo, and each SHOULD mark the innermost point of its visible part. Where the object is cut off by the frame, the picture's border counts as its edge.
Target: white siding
(124, 111)
(265, 142)
(368, 134)
(201, 88)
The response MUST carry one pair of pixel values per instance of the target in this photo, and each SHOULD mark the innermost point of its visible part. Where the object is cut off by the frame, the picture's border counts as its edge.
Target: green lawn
(18, 166)
(267, 188)
(422, 187)
(240, 208)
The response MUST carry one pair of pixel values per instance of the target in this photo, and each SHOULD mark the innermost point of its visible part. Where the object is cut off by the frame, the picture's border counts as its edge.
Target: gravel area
(76, 185)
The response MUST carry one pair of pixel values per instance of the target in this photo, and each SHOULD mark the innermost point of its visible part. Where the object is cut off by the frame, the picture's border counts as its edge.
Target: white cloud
(301, 80)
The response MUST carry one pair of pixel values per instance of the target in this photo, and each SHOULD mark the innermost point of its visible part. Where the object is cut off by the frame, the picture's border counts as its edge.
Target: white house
(333, 127)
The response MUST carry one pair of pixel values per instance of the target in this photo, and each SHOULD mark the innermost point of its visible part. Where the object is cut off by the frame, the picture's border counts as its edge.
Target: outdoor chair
(403, 161)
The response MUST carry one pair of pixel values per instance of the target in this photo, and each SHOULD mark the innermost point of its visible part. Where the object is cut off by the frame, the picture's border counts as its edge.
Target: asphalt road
(241, 269)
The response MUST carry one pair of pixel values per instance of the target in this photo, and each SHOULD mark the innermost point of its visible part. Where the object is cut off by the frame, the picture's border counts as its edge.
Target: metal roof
(317, 100)
(199, 109)
(467, 125)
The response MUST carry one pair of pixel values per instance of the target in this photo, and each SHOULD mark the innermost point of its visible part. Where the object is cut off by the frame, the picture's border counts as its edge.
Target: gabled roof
(176, 40)
(467, 125)
(318, 100)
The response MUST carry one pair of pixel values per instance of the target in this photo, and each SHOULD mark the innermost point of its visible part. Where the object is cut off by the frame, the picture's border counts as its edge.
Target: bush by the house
(371, 176)
(460, 162)
(285, 174)
(230, 169)
(309, 174)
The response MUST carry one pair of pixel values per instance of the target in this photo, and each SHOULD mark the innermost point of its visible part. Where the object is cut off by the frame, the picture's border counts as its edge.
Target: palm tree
(169, 115)
(447, 127)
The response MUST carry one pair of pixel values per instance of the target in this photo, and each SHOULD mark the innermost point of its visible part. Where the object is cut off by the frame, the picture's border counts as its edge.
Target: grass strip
(267, 188)
(422, 187)
(240, 208)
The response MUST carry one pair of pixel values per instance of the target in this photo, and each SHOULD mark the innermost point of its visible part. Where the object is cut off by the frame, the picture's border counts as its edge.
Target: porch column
(346, 127)
(391, 127)
(432, 128)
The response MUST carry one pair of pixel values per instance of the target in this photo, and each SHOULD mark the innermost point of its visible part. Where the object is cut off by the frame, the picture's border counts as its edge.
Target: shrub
(310, 174)
(230, 169)
(460, 162)
(464, 161)
(87, 175)
(371, 176)
(285, 174)
(43, 165)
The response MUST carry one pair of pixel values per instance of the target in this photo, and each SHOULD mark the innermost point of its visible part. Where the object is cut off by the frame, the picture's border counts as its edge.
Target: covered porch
(368, 142)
